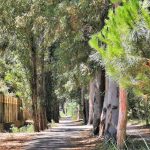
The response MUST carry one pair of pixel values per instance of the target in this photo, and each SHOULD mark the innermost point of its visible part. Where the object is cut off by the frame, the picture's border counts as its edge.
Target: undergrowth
(130, 144)
(24, 129)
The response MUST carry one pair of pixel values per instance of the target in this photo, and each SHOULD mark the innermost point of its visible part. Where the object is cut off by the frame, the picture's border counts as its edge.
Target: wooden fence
(10, 111)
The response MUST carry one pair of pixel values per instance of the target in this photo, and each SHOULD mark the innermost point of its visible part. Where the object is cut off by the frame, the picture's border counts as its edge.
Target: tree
(30, 28)
(128, 57)
(121, 131)
(73, 54)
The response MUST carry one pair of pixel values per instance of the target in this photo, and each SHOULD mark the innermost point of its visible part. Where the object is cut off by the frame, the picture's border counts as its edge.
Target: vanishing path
(68, 135)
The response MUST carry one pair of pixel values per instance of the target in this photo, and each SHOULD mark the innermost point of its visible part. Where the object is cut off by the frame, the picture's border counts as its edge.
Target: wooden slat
(9, 108)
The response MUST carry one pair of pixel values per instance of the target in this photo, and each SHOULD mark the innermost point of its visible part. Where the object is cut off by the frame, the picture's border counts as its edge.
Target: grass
(73, 116)
(62, 114)
(136, 121)
(53, 124)
(130, 144)
(24, 129)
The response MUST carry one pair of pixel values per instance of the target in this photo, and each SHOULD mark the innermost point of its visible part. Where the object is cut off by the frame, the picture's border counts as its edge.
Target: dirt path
(139, 132)
(68, 135)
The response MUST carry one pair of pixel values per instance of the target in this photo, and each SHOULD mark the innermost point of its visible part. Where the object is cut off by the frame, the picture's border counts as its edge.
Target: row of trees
(45, 57)
(44, 49)
(123, 44)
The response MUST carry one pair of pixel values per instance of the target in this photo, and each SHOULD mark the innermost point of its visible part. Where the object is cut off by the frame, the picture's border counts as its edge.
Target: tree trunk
(80, 112)
(84, 103)
(63, 106)
(121, 132)
(87, 110)
(103, 115)
(80, 104)
(48, 95)
(41, 91)
(56, 110)
(34, 86)
(91, 102)
(52, 104)
(146, 107)
(111, 110)
(98, 99)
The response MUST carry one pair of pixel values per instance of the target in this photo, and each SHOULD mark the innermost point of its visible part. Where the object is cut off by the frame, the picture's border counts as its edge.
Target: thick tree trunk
(91, 101)
(98, 99)
(48, 95)
(56, 110)
(111, 110)
(100, 123)
(104, 110)
(80, 104)
(43, 119)
(121, 132)
(83, 103)
(87, 109)
(41, 91)
(34, 86)
(85, 106)
(52, 104)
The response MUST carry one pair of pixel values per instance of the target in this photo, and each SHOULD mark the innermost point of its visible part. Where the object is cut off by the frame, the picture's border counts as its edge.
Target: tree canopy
(126, 36)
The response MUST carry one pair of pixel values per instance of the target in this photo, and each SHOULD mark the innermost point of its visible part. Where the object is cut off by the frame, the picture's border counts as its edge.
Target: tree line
(48, 56)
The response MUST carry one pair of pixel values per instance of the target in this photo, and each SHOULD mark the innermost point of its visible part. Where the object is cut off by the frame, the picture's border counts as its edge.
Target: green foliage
(73, 64)
(72, 109)
(24, 129)
(53, 124)
(126, 37)
(69, 22)
(138, 108)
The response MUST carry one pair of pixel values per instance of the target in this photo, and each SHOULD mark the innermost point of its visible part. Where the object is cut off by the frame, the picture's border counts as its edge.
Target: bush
(24, 129)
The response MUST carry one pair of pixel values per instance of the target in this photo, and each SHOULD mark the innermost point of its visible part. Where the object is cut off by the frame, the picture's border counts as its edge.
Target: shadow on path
(68, 135)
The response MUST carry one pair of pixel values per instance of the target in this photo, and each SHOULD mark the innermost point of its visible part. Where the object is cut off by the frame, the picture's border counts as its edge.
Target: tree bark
(55, 110)
(34, 86)
(98, 99)
(104, 110)
(80, 112)
(146, 106)
(48, 95)
(85, 106)
(52, 104)
(87, 109)
(41, 91)
(121, 132)
(91, 101)
(111, 108)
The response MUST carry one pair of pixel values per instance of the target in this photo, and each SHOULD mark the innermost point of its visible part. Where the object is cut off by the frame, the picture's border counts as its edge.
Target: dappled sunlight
(67, 135)
(74, 74)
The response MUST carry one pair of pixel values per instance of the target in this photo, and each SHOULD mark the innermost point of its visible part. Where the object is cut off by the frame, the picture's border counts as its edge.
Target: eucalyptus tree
(31, 25)
(127, 41)
(82, 21)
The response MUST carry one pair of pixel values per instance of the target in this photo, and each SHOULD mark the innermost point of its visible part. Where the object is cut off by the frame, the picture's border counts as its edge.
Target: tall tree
(124, 52)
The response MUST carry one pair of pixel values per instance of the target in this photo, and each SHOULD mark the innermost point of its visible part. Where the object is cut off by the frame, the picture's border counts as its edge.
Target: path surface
(68, 135)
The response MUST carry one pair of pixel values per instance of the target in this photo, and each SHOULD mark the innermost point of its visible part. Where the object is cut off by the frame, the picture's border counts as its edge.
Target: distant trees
(46, 58)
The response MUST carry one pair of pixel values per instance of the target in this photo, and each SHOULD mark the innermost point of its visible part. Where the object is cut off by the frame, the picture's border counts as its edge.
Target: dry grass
(11, 141)
(85, 141)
